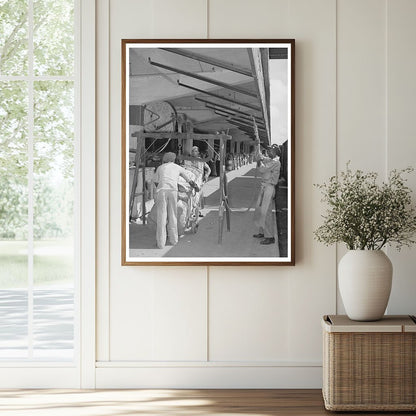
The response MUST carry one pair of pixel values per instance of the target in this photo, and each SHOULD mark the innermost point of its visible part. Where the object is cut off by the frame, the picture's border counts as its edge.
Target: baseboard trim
(210, 377)
(204, 364)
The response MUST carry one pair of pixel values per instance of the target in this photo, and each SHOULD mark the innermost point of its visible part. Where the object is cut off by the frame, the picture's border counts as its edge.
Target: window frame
(81, 371)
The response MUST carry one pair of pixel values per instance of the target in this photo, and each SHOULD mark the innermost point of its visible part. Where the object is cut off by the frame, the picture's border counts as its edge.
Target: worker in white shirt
(269, 169)
(166, 181)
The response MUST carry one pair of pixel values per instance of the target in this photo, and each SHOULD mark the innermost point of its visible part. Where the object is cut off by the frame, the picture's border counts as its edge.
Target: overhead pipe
(253, 107)
(243, 125)
(228, 119)
(231, 113)
(204, 79)
(226, 107)
(237, 119)
(246, 130)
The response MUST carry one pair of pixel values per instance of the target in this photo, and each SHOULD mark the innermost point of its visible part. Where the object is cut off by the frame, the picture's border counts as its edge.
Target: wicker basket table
(369, 366)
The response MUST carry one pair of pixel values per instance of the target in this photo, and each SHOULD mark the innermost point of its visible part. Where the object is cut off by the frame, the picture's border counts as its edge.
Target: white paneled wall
(361, 88)
(361, 84)
(163, 316)
(254, 326)
(245, 20)
(401, 132)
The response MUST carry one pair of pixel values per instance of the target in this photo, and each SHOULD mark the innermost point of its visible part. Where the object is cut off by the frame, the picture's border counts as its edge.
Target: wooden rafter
(210, 61)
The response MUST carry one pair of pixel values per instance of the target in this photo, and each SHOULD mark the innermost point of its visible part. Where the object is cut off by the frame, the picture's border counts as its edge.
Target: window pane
(13, 324)
(13, 175)
(53, 197)
(13, 219)
(53, 37)
(13, 37)
(53, 172)
(53, 319)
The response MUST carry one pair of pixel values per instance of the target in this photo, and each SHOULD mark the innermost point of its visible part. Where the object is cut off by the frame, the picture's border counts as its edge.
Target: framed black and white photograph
(208, 152)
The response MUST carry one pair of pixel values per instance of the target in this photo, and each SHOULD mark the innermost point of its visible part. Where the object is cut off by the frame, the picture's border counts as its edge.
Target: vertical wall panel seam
(207, 268)
(386, 96)
(207, 11)
(108, 314)
(207, 318)
(336, 141)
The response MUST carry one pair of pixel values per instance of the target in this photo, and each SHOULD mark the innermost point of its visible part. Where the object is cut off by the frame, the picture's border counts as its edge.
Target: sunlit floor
(164, 402)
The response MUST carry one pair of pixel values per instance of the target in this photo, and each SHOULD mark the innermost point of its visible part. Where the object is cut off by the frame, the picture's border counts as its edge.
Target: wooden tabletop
(390, 323)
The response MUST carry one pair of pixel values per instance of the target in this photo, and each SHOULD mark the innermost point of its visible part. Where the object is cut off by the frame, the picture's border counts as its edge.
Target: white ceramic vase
(364, 278)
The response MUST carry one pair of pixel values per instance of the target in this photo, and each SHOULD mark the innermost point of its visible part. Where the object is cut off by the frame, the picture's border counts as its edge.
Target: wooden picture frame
(222, 105)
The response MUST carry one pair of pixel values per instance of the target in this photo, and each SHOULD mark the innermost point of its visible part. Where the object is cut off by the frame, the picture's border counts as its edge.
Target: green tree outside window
(52, 129)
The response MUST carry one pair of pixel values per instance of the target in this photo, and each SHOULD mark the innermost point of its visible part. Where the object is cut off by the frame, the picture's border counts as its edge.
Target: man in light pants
(166, 179)
(269, 168)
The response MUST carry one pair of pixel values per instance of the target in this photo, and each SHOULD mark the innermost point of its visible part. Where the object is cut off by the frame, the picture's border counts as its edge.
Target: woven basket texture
(369, 371)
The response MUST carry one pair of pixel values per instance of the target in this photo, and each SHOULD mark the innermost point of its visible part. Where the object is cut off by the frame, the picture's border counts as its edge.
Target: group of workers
(196, 172)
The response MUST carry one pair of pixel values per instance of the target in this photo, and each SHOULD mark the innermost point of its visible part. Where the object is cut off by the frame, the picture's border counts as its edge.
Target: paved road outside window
(53, 323)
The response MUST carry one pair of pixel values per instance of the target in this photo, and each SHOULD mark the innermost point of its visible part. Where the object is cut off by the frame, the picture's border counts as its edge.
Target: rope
(151, 144)
(163, 147)
(211, 147)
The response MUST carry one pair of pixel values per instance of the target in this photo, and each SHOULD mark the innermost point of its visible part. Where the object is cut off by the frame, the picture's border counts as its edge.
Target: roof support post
(257, 70)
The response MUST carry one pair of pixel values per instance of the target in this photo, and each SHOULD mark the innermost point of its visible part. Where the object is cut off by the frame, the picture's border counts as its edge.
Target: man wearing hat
(269, 168)
(166, 181)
